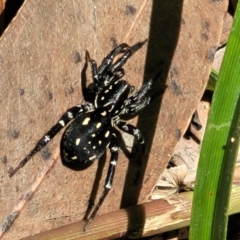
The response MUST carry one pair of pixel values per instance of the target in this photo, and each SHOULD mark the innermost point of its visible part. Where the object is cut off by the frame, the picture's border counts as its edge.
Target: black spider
(92, 130)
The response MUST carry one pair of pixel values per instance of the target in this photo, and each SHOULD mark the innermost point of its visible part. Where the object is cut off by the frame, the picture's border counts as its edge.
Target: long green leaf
(219, 148)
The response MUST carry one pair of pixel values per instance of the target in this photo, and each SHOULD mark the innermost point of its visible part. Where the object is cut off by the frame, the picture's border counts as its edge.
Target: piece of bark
(41, 56)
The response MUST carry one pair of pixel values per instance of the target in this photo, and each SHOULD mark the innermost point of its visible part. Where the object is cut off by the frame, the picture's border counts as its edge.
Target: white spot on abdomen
(92, 157)
(86, 121)
(78, 141)
(107, 134)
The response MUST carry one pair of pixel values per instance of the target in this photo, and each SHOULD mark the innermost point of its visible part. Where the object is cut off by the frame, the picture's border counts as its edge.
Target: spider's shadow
(93, 194)
(99, 174)
(163, 37)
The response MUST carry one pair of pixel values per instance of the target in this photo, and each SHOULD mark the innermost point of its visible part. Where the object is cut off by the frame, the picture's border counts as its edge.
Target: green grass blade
(217, 157)
(225, 180)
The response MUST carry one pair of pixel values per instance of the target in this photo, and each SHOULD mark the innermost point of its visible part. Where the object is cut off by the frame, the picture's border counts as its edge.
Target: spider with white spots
(91, 128)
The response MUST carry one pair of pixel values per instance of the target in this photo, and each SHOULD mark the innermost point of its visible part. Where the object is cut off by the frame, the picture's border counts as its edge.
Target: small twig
(143, 220)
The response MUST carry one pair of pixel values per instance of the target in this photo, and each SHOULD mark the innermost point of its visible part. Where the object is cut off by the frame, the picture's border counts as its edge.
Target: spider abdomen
(86, 139)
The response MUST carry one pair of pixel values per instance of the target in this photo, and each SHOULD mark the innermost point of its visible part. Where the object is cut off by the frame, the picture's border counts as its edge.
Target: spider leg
(93, 68)
(129, 52)
(106, 70)
(139, 95)
(98, 72)
(145, 88)
(109, 179)
(117, 75)
(128, 128)
(138, 100)
(70, 114)
(108, 60)
(134, 108)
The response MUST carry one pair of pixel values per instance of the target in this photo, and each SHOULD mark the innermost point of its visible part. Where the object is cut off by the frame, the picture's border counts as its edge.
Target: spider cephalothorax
(91, 128)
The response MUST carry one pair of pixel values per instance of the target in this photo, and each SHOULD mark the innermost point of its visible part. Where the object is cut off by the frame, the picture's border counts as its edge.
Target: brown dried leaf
(41, 56)
(170, 182)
